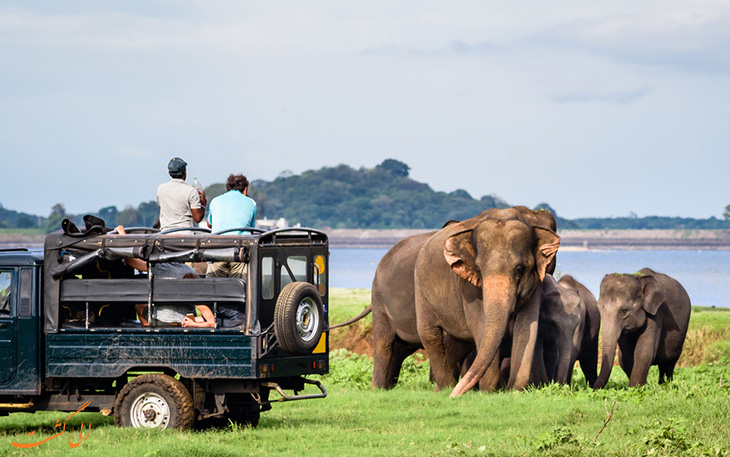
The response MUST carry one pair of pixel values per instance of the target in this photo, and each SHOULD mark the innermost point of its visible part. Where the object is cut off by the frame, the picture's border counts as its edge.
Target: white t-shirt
(177, 199)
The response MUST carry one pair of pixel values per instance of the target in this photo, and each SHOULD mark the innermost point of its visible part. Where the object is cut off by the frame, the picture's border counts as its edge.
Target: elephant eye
(624, 312)
(519, 271)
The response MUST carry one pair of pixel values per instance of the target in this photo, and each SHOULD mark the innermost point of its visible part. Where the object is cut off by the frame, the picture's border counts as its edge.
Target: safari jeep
(70, 337)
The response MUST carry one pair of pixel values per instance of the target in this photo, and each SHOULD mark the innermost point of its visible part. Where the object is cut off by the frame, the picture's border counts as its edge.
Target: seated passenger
(234, 209)
(161, 270)
(226, 317)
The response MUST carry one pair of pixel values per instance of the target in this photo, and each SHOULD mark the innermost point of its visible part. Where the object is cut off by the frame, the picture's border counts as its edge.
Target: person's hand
(120, 230)
(187, 322)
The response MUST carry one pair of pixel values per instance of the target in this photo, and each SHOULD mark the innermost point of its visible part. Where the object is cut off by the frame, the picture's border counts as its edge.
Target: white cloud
(488, 96)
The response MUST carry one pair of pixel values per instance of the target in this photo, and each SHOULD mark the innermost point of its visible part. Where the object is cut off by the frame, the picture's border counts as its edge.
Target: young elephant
(560, 332)
(647, 315)
(588, 350)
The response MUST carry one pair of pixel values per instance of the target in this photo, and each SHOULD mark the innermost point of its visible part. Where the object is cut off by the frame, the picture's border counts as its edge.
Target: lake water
(705, 274)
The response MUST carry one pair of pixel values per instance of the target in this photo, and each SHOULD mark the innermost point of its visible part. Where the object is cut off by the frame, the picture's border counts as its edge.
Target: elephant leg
(643, 357)
(491, 379)
(401, 350)
(588, 359)
(457, 354)
(504, 369)
(626, 346)
(666, 371)
(384, 363)
(540, 375)
(523, 343)
(432, 338)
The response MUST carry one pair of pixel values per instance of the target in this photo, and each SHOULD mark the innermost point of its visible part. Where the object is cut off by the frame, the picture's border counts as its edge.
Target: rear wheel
(298, 318)
(243, 409)
(154, 401)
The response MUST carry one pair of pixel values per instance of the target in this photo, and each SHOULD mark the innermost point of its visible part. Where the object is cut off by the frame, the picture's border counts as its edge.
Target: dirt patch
(357, 337)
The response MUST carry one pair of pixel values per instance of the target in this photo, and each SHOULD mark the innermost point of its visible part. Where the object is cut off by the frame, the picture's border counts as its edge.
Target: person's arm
(252, 222)
(209, 319)
(197, 203)
(137, 264)
(198, 214)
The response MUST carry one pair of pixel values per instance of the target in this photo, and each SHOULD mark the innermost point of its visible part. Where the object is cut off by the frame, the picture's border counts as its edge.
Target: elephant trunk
(608, 353)
(565, 357)
(498, 302)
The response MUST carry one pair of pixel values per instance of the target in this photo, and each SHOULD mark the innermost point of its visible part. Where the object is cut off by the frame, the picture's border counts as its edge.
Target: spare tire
(298, 318)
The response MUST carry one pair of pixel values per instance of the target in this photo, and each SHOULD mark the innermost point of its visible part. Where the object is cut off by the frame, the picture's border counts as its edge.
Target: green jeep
(70, 337)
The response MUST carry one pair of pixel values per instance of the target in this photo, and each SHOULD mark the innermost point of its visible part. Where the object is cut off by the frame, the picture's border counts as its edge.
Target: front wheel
(298, 318)
(154, 401)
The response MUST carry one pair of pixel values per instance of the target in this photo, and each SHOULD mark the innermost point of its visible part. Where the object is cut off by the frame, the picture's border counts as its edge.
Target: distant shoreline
(571, 240)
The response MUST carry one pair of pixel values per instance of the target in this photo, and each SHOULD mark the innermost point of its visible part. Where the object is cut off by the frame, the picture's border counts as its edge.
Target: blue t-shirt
(232, 210)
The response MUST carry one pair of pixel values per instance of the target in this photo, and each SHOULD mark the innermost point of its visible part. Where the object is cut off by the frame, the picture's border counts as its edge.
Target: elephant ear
(652, 295)
(460, 254)
(548, 243)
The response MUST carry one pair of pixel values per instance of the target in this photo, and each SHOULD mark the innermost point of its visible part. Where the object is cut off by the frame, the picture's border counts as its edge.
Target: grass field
(687, 417)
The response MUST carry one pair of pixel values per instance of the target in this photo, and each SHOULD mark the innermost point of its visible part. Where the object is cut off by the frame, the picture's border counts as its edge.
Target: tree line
(383, 197)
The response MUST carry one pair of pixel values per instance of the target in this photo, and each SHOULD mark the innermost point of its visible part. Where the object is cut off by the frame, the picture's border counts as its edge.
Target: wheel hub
(150, 410)
(306, 320)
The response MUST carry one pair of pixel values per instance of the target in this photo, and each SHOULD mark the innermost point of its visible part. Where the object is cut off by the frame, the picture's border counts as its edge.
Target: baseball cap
(176, 167)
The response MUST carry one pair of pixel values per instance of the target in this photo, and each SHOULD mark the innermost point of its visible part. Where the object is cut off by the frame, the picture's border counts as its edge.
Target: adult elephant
(647, 315)
(395, 334)
(588, 350)
(472, 280)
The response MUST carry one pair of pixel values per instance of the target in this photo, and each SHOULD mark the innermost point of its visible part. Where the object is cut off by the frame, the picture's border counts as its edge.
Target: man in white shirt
(180, 203)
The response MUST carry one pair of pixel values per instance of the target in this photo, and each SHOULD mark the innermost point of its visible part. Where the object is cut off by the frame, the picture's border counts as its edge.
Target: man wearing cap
(181, 205)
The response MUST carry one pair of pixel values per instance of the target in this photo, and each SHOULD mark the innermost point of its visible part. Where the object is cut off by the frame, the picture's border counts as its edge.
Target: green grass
(687, 417)
(347, 303)
(26, 231)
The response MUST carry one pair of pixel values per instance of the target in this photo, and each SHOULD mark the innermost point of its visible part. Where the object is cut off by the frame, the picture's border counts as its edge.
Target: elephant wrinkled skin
(471, 279)
(560, 332)
(395, 334)
(588, 349)
(647, 315)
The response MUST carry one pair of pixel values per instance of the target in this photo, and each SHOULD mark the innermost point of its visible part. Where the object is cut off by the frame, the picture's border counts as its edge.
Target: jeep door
(7, 325)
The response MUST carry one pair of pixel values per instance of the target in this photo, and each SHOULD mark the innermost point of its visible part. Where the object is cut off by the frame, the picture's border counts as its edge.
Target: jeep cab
(70, 335)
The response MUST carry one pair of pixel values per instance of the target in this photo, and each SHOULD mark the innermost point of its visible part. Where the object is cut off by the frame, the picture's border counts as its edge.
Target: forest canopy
(383, 197)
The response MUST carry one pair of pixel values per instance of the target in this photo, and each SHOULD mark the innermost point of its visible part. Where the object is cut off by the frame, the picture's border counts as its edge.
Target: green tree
(26, 221)
(148, 212)
(58, 214)
(395, 167)
(109, 214)
(128, 217)
(726, 214)
(215, 190)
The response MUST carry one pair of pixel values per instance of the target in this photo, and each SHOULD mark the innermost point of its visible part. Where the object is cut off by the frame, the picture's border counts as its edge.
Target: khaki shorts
(227, 270)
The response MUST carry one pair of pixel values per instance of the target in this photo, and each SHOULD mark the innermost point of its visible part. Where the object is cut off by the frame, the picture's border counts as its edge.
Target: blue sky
(600, 108)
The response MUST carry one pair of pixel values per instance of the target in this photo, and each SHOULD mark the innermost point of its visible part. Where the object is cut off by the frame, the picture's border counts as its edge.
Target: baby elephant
(568, 331)
(647, 315)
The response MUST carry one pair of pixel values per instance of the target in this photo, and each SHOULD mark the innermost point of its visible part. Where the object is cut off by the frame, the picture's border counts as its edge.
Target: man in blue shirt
(232, 210)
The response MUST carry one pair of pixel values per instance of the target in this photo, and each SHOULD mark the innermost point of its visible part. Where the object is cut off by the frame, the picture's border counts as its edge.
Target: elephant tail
(365, 312)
